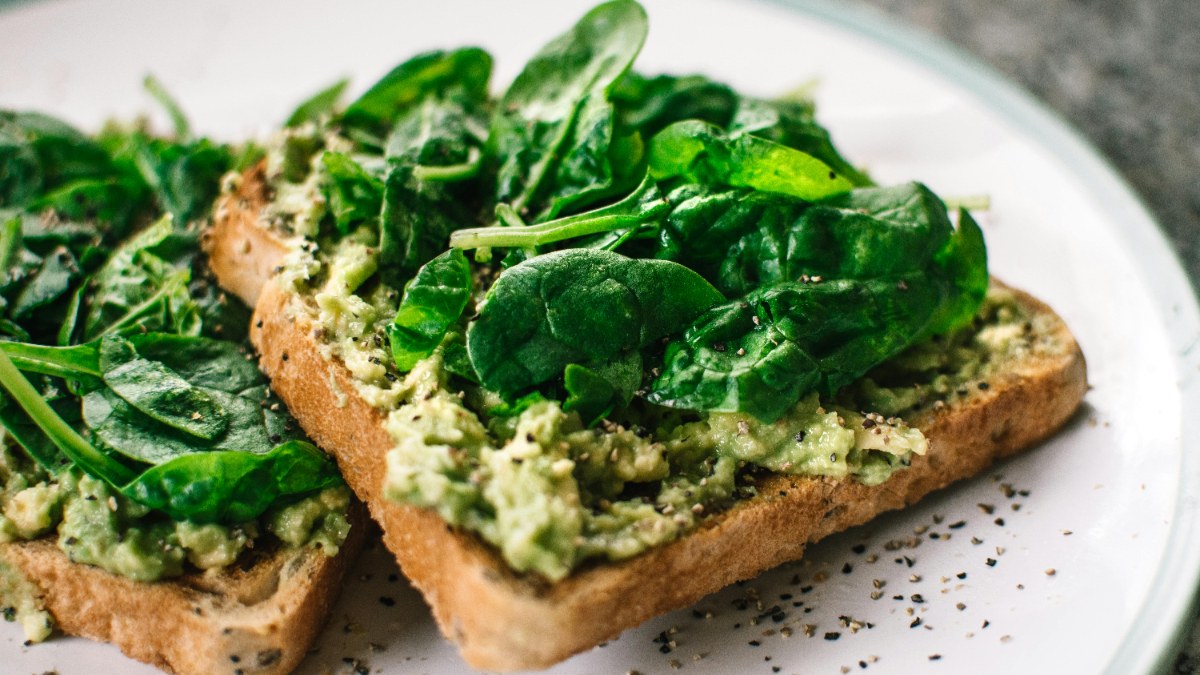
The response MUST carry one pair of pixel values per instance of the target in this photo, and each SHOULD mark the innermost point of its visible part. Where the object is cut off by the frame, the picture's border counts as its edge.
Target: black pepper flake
(275, 438)
(386, 601)
(858, 548)
(934, 657)
(390, 377)
(718, 347)
(393, 577)
(754, 643)
(961, 575)
(983, 386)
(739, 604)
(775, 669)
(805, 589)
(909, 561)
(71, 541)
(799, 436)
(962, 392)
(666, 649)
(778, 617)
(785, 596)
(797, 604)
(991, 562)
(999, 521)
(847, 569)
(862, 664)
(915, 622)
(934, 535)
(697, 614)
(285, 356)
(235, 659)
(832, 635)
(737, 625)
(897, 597)
(957, 525)
(916, 597)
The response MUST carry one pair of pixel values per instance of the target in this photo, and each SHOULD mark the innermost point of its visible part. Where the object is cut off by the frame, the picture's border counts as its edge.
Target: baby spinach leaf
(517, 406)
(232, 486)
(700, 152)
(355, 196)
(457, 361)
(588, 394)
(442, 137)
(50, 282)
(760, 353)
(792, 122)
(204, 362)
(137, 287)
(553, 131)
(578, 306)
(648, 104)
(319, 105)
(158, 391)
(433, 301)
(418, 217)
(81, 362)
(27, 433)
(408, 83)
(645, 204)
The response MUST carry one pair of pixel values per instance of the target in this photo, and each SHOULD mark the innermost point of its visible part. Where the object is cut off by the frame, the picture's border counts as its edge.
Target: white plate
(1122, 477)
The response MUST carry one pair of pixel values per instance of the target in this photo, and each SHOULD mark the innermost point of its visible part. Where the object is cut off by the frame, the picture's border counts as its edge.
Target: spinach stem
(453, 172)
(71, 443)
(66, 362)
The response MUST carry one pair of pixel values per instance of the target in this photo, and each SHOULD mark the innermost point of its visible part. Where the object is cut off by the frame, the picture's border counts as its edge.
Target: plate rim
(1159, 626)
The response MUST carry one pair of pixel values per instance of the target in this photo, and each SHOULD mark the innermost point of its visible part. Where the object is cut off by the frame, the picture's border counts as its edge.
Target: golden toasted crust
(504, 621)
(259, 616)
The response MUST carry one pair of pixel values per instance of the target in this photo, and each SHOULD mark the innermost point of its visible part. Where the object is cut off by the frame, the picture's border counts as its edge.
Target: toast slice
(505, 621)
(256, 617)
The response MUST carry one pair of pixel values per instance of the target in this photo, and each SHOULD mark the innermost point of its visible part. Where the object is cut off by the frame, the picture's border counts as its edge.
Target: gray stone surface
(1126, 73)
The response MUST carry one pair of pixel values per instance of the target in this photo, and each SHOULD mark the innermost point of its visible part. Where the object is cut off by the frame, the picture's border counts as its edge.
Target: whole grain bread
(505, 621)
(256, 617)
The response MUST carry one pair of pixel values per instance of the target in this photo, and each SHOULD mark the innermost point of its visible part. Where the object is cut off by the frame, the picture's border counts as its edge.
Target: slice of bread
(256, 617)
(505, 621)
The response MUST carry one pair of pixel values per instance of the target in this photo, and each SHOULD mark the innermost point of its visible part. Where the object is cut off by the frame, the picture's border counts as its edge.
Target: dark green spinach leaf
(354, 195)
(433, 301)
(410, 82)
(553, 131)
(319, 105)
(578, 306)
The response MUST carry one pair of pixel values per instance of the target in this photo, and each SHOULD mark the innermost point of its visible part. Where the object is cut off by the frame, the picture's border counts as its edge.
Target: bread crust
(504, 621)
(256, 617)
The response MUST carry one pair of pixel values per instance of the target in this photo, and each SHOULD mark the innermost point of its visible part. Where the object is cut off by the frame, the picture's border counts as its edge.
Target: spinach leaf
(410, 82)
(578, 306)
(138, 288)
(741, 239)
(354, 195)
(433, 300)
(553, 131)
(232, 486)
(517, 406)
(700, 152)
(183, 128)
(27, 433)
(318, 106)
(185, 179)
(647, 105)
(418, 217)
(644, 205)
(159, 392)
(761, 353)
(588, 394)
(792, 122)
(50, 282)
(204, 362)
(442, 137)
(457, 361)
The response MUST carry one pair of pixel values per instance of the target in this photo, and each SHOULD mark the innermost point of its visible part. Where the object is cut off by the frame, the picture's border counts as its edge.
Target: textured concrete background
(1126, 73)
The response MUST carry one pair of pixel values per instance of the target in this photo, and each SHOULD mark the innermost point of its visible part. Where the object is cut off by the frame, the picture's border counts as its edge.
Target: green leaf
(81, 362)
(700, 152)
(159, 392)
(320, 105)
(793, 123)
(553, 130)
(433, 301)
(517, 406)
(30, 436)
(232, 486)
(588, 394)
(57, 272)
(183, 129)
(417, 220)
(647, 105)
(578, 306)
(204, 362)
(645, 204)
(408, 83)
(355, 196)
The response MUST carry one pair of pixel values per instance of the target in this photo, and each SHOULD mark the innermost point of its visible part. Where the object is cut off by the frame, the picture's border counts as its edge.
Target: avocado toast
(155, 494)
(716, 342)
